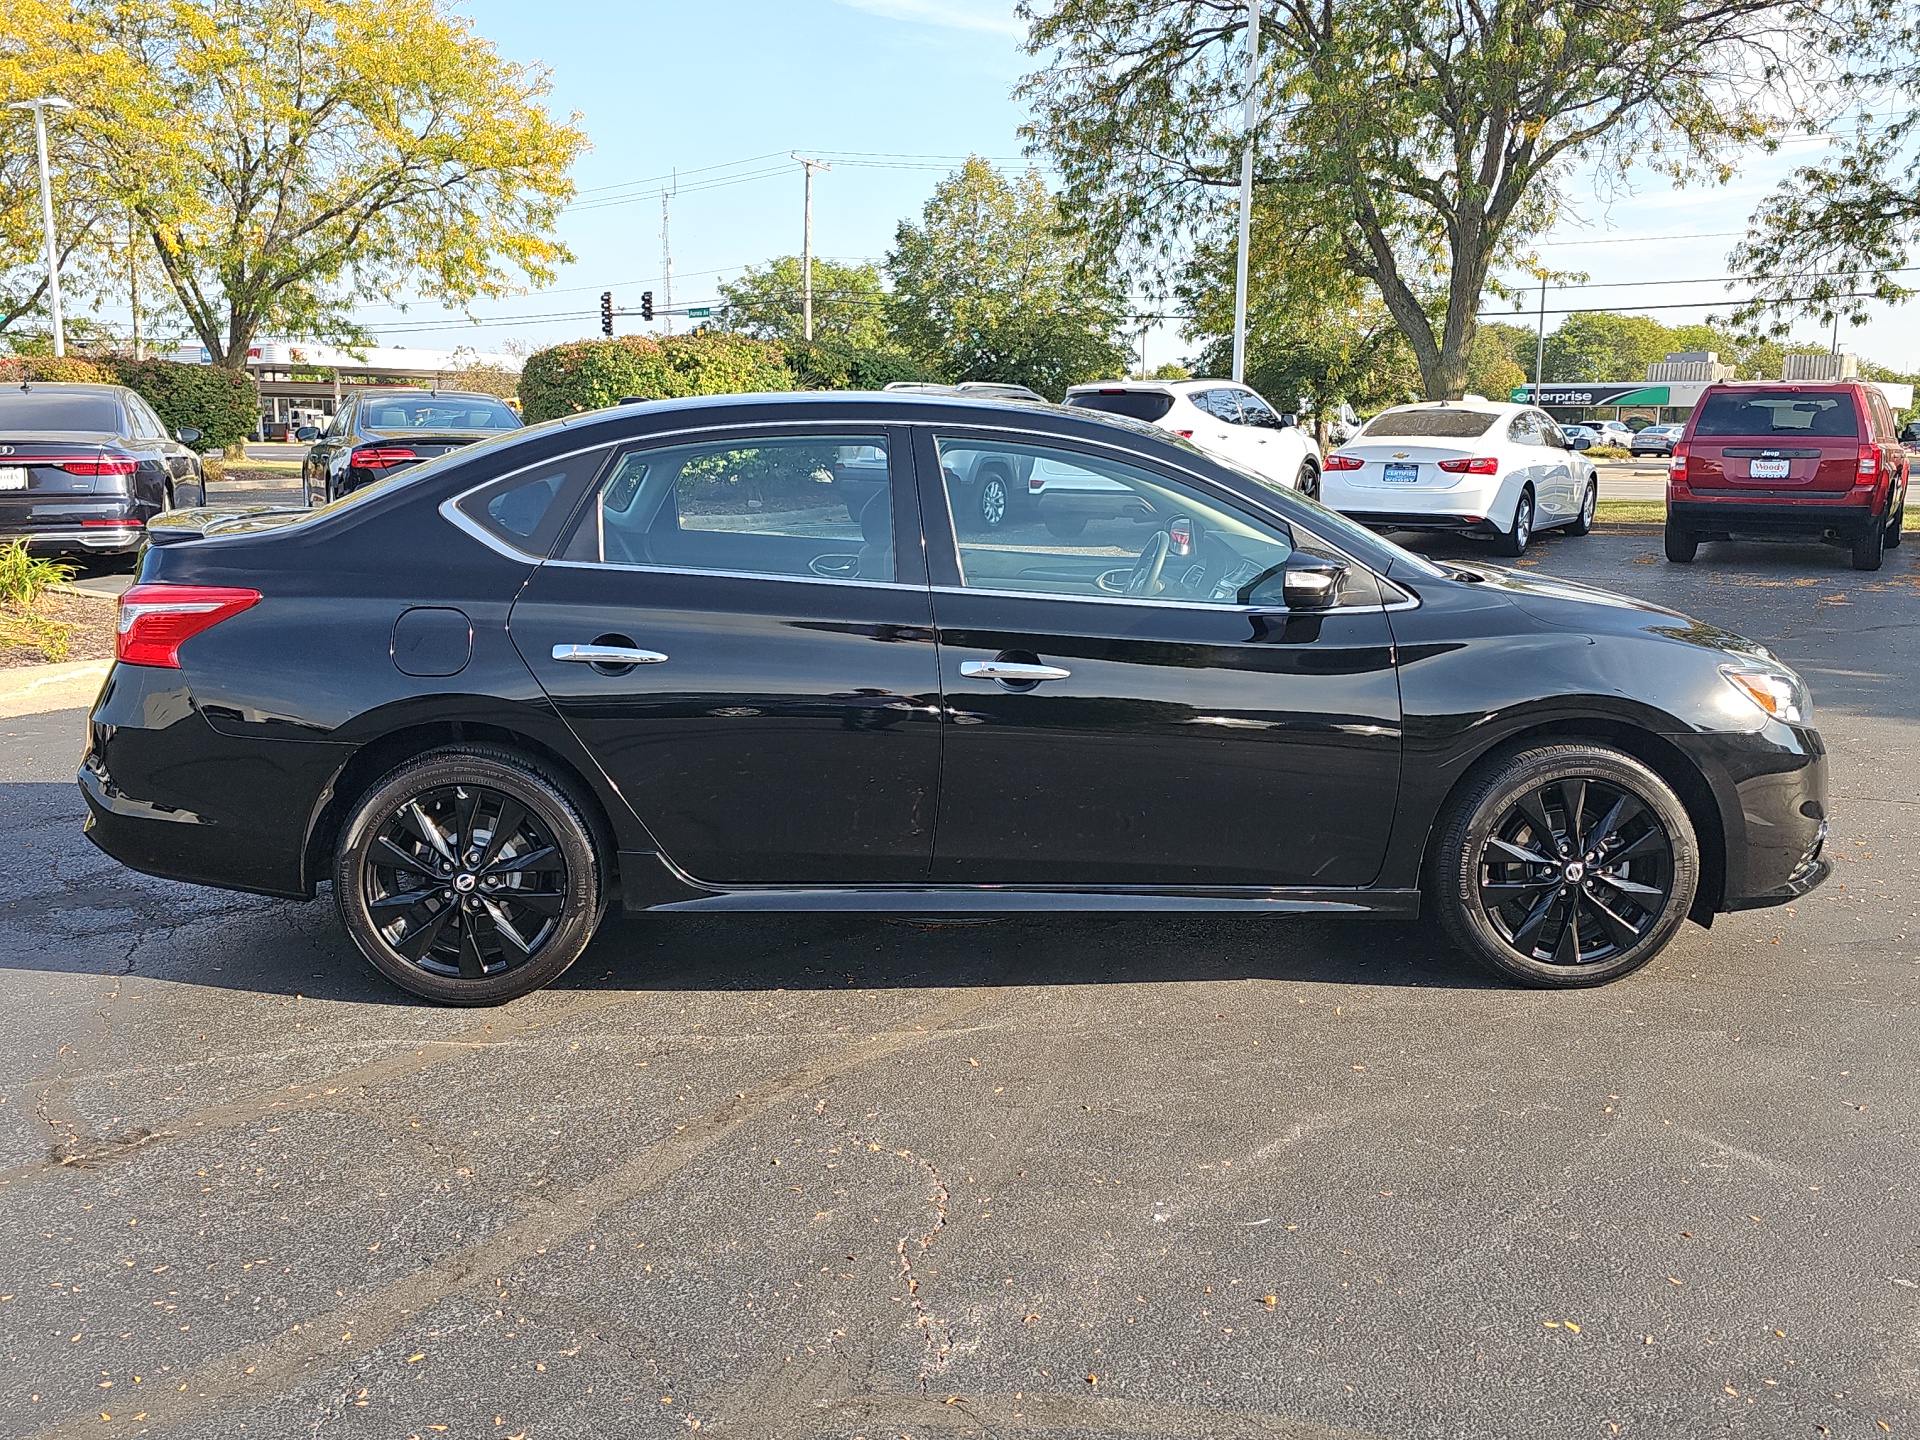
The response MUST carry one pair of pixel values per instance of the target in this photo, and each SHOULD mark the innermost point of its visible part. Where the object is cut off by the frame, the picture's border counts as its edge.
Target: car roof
(62, 387)
(1496, 407)
(1158, 387)
(391, 392)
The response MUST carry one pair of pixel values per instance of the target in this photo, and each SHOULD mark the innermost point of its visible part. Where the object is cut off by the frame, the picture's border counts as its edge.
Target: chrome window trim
(733, 574)
(1199, 605)
(451, 512)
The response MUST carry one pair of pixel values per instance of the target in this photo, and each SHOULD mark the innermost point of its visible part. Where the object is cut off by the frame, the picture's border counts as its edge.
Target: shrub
(589, 374)
(223, 405)
(51, 370)
(836, 365)
(25, 578)
(1608, 452)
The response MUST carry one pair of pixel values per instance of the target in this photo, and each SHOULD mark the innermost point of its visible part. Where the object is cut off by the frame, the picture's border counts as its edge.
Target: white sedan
(1464, 465)
(1225, 419)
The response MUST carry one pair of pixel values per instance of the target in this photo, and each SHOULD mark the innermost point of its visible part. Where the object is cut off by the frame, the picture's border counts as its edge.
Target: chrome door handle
(1010, 670)
(607, 655)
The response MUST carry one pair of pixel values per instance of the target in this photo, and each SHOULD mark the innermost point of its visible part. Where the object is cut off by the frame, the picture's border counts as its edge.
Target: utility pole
(40, 108)
(1540, 343)
(806, 247)
(1246, 192)
(133, 282)
(666, 255)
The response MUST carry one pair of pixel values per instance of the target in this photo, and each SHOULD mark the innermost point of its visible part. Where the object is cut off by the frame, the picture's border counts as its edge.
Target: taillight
(1034, 484)
(113, 524)
(381, 457)
(155, 620)
(105, 465)
(1677, 464)
(1184, 434)
(1869, 465)
(1481, 465)
(1344, 462)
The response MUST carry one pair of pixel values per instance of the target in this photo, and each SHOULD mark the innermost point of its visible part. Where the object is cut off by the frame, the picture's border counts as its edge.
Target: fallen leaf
(415, 1359)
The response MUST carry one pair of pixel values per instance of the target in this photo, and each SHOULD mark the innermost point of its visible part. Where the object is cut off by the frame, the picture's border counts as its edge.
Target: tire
(553, 908)
(1867, 548)
(1307, 482)
(190, 494)
(1519, 534)
(993, 504)
(1682, 545)
(1065, 527)
(1896, 524)
(1512, 914)
(1582, 524)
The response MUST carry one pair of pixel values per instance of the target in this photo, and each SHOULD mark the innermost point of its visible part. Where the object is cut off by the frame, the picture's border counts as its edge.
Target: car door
(1557, 471)
(1276, 449)
(1175, 736)
(319, 465)
(1218, 429)
(753, 669)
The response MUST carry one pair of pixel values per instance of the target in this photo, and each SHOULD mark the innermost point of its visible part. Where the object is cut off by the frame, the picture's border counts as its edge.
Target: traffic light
(606, 312)
(646, 304)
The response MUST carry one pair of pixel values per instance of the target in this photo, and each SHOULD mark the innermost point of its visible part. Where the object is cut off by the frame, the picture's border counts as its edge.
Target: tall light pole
(806, 248)
(1246, 192)
(40, 108)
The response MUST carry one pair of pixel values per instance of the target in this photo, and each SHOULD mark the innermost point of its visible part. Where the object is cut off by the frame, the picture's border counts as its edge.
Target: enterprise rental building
(1674, 386)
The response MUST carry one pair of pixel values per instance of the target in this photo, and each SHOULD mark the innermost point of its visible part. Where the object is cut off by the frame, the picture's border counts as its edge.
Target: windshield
(1137, 404)
(400, 413)
(1447, 424)
(1778, 412)
(30, 410)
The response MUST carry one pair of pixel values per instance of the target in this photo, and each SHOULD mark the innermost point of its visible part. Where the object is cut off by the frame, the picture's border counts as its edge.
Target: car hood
(1589, 610)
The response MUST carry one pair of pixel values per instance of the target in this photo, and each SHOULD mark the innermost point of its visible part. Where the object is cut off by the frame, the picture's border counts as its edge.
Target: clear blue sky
(896, 92)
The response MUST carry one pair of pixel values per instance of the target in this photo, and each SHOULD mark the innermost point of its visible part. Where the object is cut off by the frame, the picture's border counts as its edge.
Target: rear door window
(1782, 414)
(1220, 404)
(1136, 404)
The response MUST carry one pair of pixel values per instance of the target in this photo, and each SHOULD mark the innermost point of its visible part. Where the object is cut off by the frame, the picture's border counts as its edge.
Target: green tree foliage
(286, 158)
(223, 405)
(1428, 142)
(1596, 345)
(481, 377)
(989, 285)
(61, 370)
(589, 374)
(838, 365)
(849, 303)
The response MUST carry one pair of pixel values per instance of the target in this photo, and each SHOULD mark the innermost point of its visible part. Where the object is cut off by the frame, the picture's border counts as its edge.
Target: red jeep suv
(1765, 458)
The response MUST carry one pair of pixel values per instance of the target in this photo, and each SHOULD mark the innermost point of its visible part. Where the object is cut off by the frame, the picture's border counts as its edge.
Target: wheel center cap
(463, 883)
(1575, 872)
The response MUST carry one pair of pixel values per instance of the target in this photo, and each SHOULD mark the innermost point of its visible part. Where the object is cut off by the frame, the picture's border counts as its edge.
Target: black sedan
(644, 657)
(378, 433)
(84, 467)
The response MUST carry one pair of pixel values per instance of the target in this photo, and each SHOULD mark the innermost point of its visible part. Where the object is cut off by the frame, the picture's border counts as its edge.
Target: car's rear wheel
(1565, 866)
(1519, 534)
(1867, 548)
(469, 877)
(1066, 527)
(1589, 502)
(1682, 545)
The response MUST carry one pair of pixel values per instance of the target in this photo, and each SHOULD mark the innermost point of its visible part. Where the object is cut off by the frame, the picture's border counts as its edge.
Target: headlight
(1778, 692)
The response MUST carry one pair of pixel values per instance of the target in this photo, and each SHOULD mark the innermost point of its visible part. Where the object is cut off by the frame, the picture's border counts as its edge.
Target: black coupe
(84, 467)
(647, 657)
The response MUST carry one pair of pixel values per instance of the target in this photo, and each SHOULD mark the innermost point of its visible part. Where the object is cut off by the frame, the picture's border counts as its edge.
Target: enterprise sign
(1597, 394)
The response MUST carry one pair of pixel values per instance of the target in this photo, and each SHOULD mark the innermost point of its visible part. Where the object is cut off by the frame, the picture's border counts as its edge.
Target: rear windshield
(25, 410)
(1137, 404)
(1747, 413)
(1448, 424)
(438, 413)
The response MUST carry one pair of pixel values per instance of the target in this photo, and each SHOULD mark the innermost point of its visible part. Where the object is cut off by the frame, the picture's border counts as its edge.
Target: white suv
(1464, 465)
(1223, 418)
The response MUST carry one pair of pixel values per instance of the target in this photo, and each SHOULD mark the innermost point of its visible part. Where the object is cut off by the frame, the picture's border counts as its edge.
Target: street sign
(700, 312)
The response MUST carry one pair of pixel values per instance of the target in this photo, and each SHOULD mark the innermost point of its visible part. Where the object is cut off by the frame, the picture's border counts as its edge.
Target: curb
(38, 689)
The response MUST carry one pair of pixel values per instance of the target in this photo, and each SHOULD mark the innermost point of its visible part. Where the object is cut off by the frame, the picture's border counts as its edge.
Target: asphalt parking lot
(1063, 1177)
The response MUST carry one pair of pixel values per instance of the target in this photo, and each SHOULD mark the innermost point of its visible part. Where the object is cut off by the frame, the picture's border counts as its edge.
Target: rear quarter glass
(1135, 404)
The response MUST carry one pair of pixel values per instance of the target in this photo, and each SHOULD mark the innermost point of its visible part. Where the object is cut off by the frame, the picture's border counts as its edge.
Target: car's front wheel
(994, 501)
(1564, 866)
(1307, 482)
(1896, 523)
(1519, 534)
(1589, 502)
(468, 876)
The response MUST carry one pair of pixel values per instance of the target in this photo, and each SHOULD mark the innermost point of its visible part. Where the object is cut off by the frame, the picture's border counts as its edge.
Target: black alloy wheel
(1568, 865)
(468, 877)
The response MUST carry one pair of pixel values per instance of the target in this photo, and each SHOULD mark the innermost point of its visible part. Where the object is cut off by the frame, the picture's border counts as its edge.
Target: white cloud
(993, 17)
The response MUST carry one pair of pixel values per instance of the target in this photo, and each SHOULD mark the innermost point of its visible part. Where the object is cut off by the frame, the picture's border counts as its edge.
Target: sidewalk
(36, 689)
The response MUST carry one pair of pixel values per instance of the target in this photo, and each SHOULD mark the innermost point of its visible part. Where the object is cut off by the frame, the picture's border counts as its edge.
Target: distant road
(276, 452)
(1631, 479)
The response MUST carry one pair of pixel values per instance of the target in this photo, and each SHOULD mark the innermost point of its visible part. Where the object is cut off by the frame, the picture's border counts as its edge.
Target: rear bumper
(1093, 504)
(1422, 520)
(1765, 517)
(115, 539)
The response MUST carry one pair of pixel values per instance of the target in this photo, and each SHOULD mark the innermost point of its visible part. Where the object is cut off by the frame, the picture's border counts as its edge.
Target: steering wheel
(1145, 578)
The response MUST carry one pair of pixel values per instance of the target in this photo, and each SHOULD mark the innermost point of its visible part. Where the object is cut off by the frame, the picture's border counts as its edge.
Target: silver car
(1656, 440)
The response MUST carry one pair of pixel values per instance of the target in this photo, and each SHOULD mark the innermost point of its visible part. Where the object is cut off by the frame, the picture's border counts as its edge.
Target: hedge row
(590, 374)
(223, 405)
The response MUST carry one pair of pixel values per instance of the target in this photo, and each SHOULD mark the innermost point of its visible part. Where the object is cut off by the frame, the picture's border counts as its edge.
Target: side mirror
(1301, 582)
(307, 433)
(1289, 420)
(1910, 433)
(187, 435)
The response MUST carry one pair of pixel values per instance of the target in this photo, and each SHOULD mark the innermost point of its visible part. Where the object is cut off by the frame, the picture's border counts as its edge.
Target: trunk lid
(203, 520)
(33, 467)
(1777, 440)
(1409, 464)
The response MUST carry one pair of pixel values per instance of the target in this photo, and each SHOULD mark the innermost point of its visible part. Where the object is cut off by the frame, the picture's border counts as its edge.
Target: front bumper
(1770, 789)
(1741, 516)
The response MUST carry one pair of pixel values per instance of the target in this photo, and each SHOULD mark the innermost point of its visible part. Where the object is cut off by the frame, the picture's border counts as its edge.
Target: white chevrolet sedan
(1464, 465)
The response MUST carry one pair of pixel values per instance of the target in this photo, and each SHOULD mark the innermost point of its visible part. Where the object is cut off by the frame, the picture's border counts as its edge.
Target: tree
(849, 303)
(1431, 140)
(1598, 345)
(991, 286)
(299, 155)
